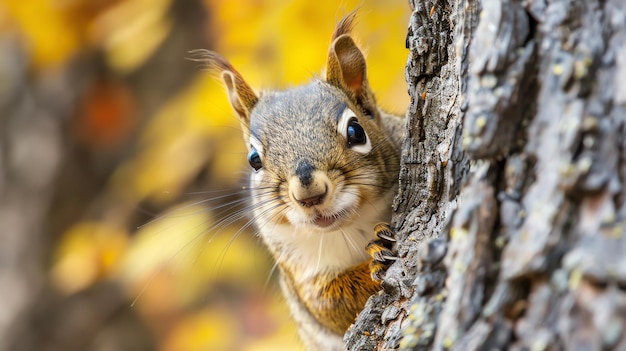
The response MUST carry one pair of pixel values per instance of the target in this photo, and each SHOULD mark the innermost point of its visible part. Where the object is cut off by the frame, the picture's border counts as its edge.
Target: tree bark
(511, 214)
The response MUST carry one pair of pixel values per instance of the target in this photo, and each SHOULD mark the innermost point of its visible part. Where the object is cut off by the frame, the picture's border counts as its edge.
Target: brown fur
(344, 26)
(336, 301)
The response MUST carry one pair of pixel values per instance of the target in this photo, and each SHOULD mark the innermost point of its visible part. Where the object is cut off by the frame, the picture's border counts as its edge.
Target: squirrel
(325, 161)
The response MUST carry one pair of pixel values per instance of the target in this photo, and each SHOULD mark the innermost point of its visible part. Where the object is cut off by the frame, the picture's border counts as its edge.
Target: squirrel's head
(318, 151)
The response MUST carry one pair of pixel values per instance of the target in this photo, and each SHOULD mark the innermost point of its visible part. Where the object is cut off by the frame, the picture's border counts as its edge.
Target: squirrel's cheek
(256, 178)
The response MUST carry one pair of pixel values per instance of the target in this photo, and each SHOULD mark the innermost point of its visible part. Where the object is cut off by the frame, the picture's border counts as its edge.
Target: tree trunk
(511, 213)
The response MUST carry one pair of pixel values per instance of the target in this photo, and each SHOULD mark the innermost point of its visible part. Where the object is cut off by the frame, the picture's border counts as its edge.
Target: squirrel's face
(316, 158)
(317, 151)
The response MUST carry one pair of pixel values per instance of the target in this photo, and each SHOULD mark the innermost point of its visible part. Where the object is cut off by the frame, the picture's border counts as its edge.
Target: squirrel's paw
(381, 251)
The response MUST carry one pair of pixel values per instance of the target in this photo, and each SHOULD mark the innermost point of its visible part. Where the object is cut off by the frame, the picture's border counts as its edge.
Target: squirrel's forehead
(306, 112)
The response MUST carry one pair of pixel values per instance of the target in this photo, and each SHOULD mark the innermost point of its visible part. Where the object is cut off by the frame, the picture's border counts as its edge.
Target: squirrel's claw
(383, 231)
(381, 251)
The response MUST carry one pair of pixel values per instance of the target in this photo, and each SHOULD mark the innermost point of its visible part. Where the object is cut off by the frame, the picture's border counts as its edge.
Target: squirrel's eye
(355, 133)
(255, 159)
(349, 127)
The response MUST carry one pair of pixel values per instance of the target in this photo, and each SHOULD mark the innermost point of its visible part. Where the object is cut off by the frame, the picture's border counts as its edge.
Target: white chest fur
(313, 252)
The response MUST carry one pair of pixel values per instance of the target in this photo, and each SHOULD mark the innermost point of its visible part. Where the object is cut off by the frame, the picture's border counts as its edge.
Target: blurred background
(122, 215)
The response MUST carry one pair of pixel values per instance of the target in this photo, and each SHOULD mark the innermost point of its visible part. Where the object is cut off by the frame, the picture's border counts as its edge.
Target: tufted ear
(346, 67)
(242, 97)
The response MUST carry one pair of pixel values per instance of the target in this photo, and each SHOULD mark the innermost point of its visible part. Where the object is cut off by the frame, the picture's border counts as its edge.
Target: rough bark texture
(511, 212)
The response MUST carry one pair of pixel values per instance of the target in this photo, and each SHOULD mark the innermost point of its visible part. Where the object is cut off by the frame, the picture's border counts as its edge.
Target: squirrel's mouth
(325, 222)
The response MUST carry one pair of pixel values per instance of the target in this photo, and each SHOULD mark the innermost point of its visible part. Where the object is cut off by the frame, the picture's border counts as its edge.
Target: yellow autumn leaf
(204, 330)
(160, 171)
(47, 28)
(165, 243)
(186, 243)
(87, 251)
(131, 31)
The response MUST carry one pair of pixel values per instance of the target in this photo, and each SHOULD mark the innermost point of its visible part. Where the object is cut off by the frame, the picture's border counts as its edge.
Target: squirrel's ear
(242, 96)
(346, 64)
(347, 70)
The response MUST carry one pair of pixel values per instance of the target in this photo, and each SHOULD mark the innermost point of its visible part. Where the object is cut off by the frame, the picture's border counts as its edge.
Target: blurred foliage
(194, 270)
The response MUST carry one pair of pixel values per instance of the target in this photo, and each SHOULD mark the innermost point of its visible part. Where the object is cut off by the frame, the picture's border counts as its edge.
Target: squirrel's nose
(304, 171)
(309, 200)
(309, 187)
